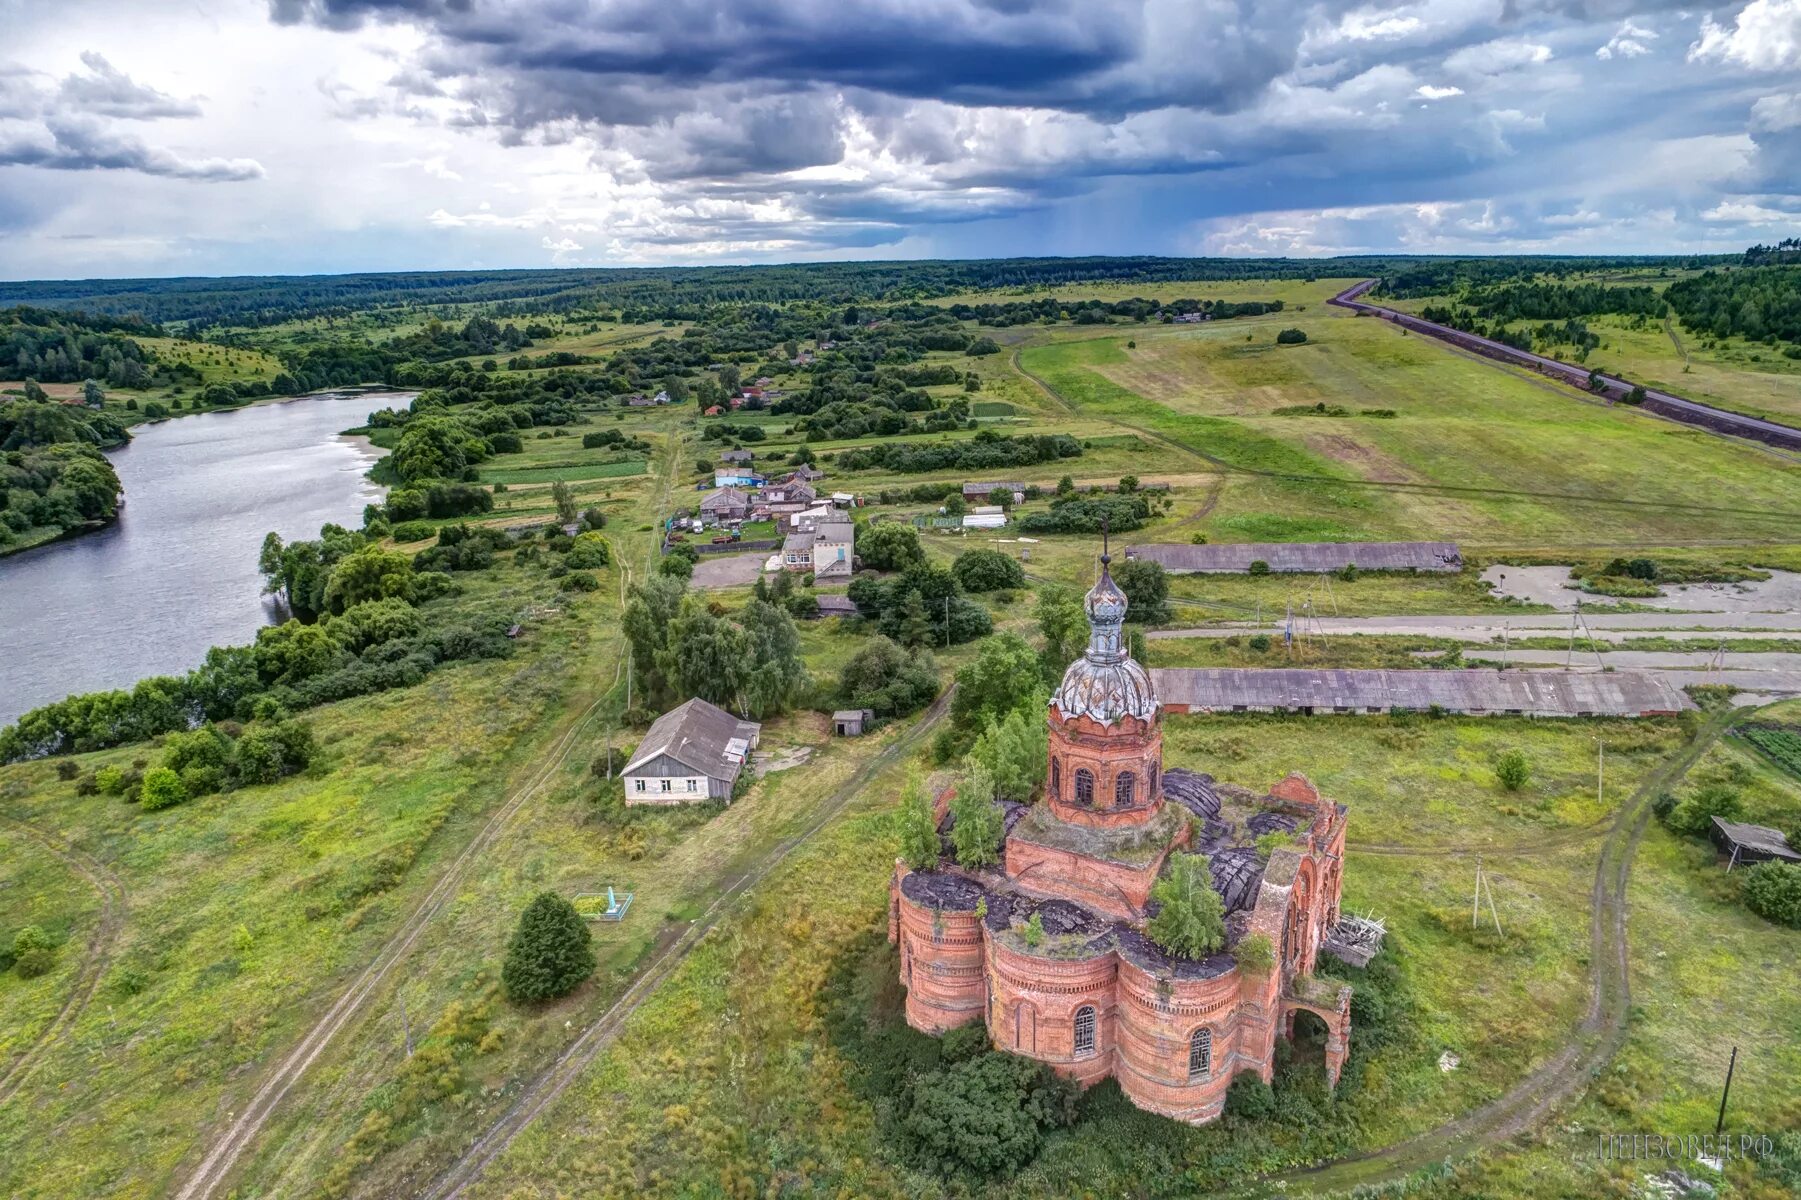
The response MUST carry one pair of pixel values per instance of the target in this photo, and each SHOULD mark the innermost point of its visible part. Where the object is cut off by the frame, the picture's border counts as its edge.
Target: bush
(1291, 337)
(1191, 922)
(1772, 890)
(1257, 567)
(266, 753)
(162, 789)
(1513, 770)
(1249, 1098)
(985, 1116)
(413, 531)
(887, 680)
(33, 963)
(579, 581)
(1693, 815)
(987, 571)
(676, 566)
(1258, 641)
(550, 953)
(589, 551)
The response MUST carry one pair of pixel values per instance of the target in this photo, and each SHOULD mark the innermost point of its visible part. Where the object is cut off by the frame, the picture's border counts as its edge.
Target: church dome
(1106, 684)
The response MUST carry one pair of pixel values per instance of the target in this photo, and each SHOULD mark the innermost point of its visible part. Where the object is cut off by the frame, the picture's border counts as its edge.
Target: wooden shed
(851, 722)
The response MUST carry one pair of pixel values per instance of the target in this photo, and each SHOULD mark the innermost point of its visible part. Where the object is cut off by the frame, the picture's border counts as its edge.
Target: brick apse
(1095, 997)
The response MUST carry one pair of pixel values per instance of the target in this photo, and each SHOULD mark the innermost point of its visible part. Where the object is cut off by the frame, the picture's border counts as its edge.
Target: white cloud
(1497, 57)
(1629, 41)
(1433, 92)
(1739, 212)
(1765, 36)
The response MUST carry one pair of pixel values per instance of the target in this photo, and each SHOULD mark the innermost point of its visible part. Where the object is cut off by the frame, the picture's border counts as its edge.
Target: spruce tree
(550, 953)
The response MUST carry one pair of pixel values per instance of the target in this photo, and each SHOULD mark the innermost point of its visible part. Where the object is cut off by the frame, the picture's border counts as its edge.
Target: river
(176, 573)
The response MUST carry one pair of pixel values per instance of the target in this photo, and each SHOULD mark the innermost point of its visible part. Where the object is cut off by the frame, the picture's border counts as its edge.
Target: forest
(1755, 303)
(54, 347)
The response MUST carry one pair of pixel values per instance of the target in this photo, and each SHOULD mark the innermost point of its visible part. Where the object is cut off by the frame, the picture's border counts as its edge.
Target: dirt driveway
(729, 570)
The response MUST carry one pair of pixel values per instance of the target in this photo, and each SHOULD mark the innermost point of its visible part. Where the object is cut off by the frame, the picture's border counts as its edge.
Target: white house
(826, 550)
(693, 752)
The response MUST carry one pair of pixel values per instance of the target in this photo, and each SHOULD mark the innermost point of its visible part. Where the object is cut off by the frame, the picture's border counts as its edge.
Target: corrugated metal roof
(699, 735)
(1304, 556)
(1543, 693)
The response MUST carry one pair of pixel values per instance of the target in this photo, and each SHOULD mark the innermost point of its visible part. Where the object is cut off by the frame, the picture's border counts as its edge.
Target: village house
(736, 477)
(807, 473)
(692, 752)
(1049, 947)
(793, 492)
(736, 456)
(827, 550)
(726, 504)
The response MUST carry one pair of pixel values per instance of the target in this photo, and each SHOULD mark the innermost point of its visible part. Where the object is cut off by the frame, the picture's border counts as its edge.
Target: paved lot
(729, 570)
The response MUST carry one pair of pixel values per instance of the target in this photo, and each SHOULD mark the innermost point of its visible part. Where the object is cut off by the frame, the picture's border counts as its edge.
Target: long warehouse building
(1472, 692)
(1302, 556)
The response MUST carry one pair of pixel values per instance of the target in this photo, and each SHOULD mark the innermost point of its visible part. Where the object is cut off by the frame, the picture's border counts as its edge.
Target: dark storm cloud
(75, 144)
(1077, 55)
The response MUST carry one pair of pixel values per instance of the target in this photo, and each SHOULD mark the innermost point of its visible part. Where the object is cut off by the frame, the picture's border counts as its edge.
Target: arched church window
(1200, 1054)
(1084, 786)
(1056, 780)
(1085, 1029)
(1123, 787)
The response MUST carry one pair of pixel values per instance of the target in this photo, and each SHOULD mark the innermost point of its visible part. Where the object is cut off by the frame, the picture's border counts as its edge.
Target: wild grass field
(1472, 451)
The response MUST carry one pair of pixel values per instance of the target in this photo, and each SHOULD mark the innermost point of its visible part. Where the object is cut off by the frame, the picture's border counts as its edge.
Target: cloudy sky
(166, 137)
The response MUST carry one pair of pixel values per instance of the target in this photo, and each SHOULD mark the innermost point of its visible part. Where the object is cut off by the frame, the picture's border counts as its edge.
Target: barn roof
(1304, 556)
(1545, 693)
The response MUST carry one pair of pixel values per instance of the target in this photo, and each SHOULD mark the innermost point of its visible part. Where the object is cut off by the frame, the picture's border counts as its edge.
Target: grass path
(225, 1151)
(95, 958)
(552, 1083)
(1589, 1047)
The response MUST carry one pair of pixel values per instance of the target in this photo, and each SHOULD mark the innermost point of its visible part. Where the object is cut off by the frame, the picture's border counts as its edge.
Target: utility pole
(1724, 1092)
(1600, 769)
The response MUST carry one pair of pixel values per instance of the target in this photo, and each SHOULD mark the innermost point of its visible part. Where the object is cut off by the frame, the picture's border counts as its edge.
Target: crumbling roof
(1759, 839)
(1192, 790)
(942, 889)
(701, 736)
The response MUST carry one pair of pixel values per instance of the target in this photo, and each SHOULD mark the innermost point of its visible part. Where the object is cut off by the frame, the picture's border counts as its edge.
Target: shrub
(579, 581)
(987, 571)
(589, 551)
(887, 680)
(265, 753)
(985, 1116)
(33, 963)
(1772, 890)
(1258, 567)
(1258, 641)
(550, 953)
(110, 780)
(1291, 337)
(1513, 770)
(162, 789)
(676, 566)
(1249, 1097)
(29, 938)
(1693, 815)
(1255, 955)
(413, 531)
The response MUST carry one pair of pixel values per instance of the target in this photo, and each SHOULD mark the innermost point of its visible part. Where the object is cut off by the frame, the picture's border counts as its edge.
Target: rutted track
(226, 1150)
(1588, 1048)
(545, 1089)
(94, 961)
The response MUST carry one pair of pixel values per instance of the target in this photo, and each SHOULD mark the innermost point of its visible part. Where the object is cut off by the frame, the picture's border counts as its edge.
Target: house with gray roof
(726, 504)
(692, 752)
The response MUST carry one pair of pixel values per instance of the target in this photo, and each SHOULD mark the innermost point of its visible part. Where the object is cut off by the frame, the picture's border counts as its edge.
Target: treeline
(57, 347)
(1103, 312)
(651, 293)
(1757, 303)
(1788, 250)
(1557, 302)
(1454, 276)
(985, 451)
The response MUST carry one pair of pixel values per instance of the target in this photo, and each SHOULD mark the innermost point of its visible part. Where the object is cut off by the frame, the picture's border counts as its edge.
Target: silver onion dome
(1106, 684)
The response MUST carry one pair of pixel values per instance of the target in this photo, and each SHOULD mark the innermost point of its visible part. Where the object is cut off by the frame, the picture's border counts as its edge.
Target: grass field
(1454, 460)
(734, 1083)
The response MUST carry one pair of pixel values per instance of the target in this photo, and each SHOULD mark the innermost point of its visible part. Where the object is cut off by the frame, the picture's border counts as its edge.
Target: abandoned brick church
(1095, 997)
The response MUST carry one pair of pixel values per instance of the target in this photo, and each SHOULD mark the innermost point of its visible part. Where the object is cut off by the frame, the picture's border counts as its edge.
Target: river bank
(176, 572)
